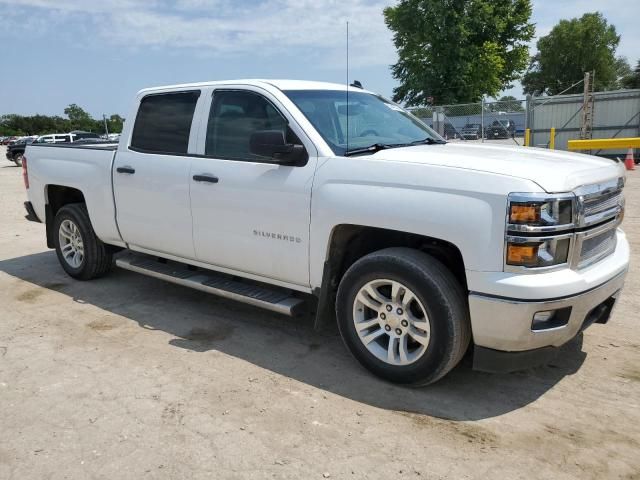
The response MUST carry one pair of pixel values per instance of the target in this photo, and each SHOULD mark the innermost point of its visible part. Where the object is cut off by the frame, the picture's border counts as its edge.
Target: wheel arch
(349, 242)
(56, 197)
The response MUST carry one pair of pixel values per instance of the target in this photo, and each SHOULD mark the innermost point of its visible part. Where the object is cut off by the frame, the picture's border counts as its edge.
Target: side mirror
(272, 144)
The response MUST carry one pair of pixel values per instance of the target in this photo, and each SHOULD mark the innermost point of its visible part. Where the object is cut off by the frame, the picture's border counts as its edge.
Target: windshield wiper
(376, 147)
(428, 141)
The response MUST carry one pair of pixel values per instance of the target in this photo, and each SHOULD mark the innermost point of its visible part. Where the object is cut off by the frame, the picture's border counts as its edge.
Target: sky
(98, 54)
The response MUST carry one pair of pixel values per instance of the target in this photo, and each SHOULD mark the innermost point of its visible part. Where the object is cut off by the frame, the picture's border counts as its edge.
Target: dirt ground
(130, 377)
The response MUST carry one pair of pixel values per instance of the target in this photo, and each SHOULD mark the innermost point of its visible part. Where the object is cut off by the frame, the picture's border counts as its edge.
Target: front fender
(466, 208)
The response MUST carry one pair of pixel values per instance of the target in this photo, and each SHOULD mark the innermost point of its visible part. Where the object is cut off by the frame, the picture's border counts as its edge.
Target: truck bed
(86, 167)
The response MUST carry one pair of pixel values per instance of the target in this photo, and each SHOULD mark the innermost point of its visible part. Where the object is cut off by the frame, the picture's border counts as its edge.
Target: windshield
(367, 120)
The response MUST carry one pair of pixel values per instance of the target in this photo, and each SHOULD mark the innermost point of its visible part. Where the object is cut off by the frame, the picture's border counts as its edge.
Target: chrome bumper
(505, 324)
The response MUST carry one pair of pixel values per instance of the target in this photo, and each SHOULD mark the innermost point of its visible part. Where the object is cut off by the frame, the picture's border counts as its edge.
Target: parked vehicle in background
(81, 135)
(449, 131)
(255, 190)
(15, 150)
(54, 138)
(74, 136)
(501, 129)
(471, 131)
(8, 140)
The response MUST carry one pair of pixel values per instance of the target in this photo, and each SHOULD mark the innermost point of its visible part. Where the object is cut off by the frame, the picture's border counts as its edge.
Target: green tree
(458, 50)
(506, 103)
(115, 123)
(79, 119)
(585, 44)
(631, 78)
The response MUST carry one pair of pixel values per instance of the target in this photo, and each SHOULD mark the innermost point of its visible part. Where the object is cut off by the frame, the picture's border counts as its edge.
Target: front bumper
(502, 327)
(586, 309)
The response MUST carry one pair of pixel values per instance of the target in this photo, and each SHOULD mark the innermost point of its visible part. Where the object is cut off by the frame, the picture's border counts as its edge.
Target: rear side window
(163, 123)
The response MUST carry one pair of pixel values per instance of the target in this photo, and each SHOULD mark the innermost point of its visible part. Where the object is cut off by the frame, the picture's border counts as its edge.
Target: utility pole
(586, 127)
(106, 128)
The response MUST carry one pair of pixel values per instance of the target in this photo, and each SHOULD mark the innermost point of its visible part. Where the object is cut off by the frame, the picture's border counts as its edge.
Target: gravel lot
(130, 377)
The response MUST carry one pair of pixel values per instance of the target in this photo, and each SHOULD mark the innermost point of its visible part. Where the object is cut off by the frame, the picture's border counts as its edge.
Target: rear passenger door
(151, 175)
(252, 215)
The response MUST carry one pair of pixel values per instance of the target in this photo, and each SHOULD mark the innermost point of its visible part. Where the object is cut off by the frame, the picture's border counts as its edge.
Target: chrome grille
(597, 247)
(602, 203)
(598, 203)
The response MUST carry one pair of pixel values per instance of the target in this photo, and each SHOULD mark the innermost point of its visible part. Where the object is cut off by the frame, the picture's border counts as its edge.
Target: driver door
(250, 215)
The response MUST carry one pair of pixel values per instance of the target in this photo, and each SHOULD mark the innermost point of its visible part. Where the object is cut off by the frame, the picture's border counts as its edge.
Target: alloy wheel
(71, 244)
(391, 322)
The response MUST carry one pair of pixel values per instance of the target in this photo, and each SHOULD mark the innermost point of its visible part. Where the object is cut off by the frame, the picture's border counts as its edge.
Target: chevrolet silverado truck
(306, 197)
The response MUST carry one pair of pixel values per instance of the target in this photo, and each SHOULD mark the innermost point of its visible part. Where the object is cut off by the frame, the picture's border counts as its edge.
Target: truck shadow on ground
(200, 322)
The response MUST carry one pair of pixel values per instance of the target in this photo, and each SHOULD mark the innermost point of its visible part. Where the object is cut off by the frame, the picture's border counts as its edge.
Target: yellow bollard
(552, 139)
(527, 136)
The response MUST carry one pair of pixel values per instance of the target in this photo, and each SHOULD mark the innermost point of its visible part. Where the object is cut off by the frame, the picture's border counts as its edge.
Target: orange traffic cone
(629, 163)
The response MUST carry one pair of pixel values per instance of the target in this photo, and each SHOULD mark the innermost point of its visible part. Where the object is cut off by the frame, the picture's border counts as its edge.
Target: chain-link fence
(551, 121)
(483, 121)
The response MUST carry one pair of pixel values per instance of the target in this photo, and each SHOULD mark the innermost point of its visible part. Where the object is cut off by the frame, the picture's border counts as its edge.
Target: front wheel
(403, 315)
(80, 252)
(17, 159)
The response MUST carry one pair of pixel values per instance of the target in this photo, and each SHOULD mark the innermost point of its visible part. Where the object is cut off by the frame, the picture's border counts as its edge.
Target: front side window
(234, 117)
(163, 123)
(366, 120)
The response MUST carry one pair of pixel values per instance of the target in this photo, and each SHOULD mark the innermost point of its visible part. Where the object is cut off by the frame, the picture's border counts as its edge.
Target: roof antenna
(347, 84)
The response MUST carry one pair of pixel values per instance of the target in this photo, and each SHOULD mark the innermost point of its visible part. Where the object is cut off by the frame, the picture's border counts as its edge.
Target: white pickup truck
(303, 196)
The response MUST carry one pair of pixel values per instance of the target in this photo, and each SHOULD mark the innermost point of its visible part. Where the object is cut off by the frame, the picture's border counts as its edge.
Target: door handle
(127, 169)
(205, 178)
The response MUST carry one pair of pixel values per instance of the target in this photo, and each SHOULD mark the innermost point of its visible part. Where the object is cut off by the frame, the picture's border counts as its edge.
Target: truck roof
(279, 84)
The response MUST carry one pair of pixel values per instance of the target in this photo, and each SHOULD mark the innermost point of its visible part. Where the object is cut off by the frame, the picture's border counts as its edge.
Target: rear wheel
(403, 316)
(80, 252)
(17, 159)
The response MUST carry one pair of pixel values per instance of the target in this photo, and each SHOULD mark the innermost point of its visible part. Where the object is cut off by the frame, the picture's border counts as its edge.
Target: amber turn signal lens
(524, 214)
(524, 255)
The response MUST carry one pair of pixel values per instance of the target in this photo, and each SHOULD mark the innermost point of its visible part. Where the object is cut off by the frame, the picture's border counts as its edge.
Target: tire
(17, 159)
(437, 294)
(73, 232)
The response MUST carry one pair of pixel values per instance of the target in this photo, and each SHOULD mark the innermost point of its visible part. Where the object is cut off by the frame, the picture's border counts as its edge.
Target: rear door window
(163, 123)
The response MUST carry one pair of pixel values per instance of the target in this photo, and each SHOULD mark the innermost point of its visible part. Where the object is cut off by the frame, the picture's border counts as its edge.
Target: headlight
(538, 231)
(537, 252)
(556, 212)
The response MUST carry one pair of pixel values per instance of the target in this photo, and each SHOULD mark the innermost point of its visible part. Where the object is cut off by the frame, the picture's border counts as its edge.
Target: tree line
(76, 119)
(459, 51)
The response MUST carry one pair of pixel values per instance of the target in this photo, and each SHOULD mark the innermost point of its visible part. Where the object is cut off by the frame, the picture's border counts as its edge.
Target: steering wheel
(369, 132)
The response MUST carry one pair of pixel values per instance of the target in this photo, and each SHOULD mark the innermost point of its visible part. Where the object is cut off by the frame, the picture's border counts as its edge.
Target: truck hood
(553, 170)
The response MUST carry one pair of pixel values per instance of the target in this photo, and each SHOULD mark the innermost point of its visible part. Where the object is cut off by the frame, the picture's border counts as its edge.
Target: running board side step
(267, 297)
